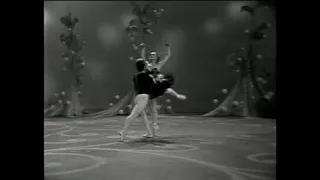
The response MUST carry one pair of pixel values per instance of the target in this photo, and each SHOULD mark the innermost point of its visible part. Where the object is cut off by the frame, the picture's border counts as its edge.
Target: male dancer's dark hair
(140, 65)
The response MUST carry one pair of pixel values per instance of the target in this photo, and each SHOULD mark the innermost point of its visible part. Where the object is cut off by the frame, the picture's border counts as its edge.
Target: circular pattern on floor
(264, 158)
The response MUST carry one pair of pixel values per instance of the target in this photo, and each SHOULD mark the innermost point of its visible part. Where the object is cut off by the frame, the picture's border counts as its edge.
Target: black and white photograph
(160, 90)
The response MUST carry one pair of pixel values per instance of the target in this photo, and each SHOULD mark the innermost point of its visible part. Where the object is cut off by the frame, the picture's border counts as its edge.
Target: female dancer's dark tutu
(164, 81)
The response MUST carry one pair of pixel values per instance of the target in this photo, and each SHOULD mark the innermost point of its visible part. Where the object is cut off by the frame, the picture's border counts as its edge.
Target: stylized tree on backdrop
(139, 28)
(245, 95)
(67, 103)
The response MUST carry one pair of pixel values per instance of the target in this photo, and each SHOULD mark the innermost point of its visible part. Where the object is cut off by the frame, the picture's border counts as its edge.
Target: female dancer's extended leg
(175, 94)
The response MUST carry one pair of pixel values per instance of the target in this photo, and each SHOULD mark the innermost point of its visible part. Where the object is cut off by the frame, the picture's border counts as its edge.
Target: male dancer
(143, 84)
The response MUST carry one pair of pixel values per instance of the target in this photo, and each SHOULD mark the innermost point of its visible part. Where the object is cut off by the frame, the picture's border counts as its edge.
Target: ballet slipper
(181, 97)
(147, 135)
(121, 136)
(155, 126)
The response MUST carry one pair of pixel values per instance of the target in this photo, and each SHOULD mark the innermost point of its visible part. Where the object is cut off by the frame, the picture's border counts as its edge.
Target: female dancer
(161, 88)
(143, 84)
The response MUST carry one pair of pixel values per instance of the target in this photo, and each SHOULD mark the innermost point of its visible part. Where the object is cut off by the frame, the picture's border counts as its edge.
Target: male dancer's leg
(146, 122)
(141, 102)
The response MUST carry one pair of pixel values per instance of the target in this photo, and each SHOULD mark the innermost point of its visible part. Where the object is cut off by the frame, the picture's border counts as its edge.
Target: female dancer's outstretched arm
(143, 51)
(166, 58)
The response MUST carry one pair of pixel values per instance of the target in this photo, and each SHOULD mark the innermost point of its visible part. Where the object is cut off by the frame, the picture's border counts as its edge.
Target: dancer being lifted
(166, 80)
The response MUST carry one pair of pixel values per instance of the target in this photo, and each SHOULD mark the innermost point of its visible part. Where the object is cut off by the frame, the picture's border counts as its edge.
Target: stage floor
(187, 148)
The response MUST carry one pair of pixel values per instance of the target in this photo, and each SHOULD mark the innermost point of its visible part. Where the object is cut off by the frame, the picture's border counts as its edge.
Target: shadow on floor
(158, 141)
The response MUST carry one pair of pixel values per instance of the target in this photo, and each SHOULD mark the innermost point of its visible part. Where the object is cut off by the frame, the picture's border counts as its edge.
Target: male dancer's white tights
(140, 101)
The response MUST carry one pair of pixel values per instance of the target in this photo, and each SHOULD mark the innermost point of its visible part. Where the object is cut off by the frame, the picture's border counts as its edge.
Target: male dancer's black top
(143, 83)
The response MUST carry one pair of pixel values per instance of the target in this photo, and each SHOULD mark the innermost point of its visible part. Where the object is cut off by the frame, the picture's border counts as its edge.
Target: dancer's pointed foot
(147, 135)
(121, 136)
(154, 129)
(182, 97)
(155, 126)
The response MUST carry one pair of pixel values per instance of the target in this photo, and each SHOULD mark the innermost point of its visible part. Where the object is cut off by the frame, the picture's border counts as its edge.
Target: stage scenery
(168, 90)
